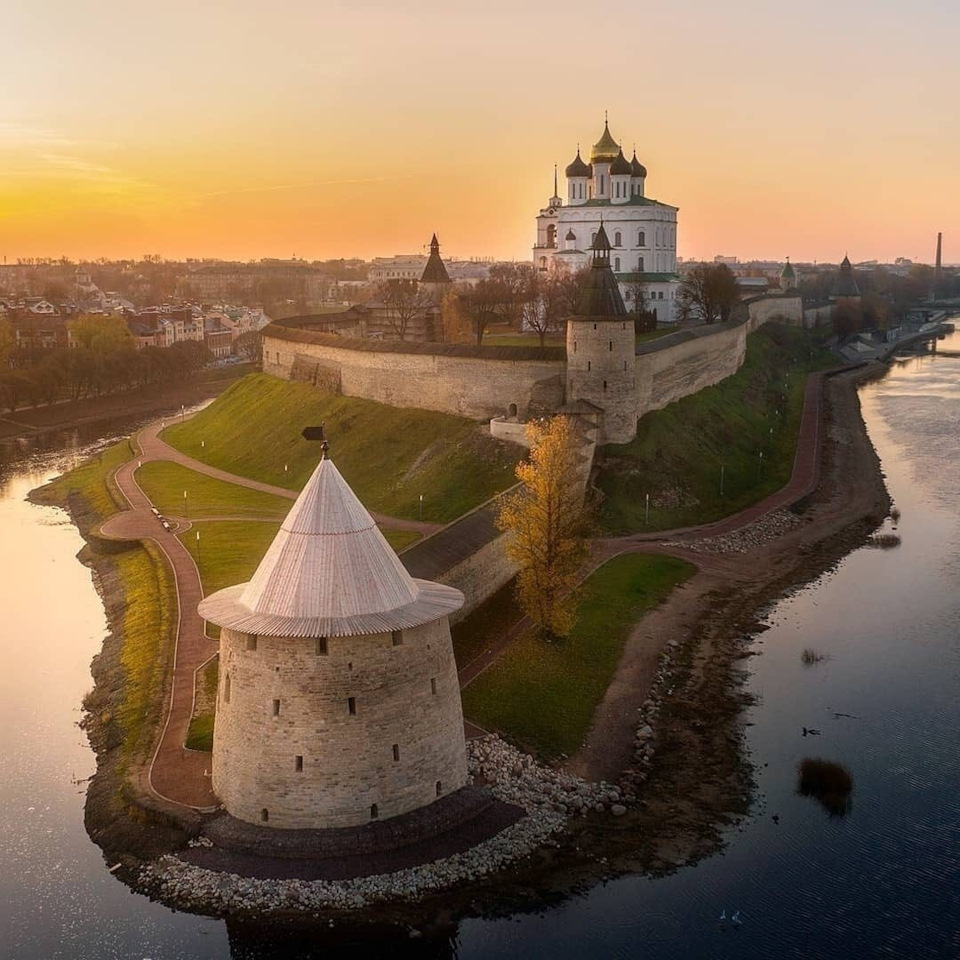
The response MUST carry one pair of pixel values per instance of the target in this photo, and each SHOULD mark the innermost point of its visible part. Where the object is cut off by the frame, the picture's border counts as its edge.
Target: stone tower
(601, 350)
(435, 279)
(338, 701)
(788, 277)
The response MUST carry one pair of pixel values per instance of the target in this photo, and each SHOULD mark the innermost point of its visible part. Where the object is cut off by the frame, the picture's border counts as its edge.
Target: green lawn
(164, 482)
(542, 696)
(200, 732)
(389, 456)
(678, 452)
(228, 551)
(91, 482)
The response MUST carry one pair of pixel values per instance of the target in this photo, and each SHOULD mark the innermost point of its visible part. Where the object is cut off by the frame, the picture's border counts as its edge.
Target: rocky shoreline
(687, 779)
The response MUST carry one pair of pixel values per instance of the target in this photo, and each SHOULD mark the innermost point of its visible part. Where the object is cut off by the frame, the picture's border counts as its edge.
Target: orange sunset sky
(241, 128)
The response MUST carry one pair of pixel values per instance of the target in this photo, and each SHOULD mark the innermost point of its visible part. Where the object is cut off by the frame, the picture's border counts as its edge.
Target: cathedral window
(616, 264)
(639, 264)
(616, 239)
(641, 239)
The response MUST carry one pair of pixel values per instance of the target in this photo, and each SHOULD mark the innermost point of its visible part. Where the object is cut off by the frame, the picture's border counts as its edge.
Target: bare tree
(406, 302)
(710, 291)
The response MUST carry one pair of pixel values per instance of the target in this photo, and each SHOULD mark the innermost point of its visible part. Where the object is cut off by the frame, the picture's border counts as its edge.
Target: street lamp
(198, 546)
(186, 506)
(421, 506)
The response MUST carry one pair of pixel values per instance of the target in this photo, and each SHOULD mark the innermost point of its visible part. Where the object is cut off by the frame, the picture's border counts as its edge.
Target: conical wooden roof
(329, 572)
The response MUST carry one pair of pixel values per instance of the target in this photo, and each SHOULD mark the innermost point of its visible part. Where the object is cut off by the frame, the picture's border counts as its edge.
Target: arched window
(616, 239)
(639, 264)
(543, 263)
(593, 237)
(512, 410)
(641, 240)
(616, 264)
(552, 235)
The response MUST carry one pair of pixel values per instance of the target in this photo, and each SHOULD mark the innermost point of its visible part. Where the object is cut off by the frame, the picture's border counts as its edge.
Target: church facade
(611, 190)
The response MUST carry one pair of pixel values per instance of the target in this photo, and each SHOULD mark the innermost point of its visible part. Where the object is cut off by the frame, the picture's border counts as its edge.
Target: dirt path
(714, 608)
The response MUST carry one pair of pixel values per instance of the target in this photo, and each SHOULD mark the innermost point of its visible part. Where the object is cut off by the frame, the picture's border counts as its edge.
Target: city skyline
(359, 132)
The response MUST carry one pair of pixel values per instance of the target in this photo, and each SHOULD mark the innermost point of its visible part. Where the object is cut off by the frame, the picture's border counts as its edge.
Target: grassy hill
(389, 456)
(677, 455)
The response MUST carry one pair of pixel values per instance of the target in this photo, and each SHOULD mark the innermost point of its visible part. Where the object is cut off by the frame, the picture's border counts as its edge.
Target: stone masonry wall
(465, 386)
(286, 701)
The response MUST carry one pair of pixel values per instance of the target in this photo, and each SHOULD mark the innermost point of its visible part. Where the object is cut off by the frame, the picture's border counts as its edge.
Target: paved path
(155, 448)
(176, 774)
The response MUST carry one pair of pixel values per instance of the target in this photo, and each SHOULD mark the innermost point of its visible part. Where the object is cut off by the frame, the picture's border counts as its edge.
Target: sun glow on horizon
(358, 131)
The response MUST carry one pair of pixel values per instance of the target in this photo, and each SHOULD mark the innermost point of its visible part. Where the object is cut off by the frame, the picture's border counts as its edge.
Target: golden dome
(605, 150)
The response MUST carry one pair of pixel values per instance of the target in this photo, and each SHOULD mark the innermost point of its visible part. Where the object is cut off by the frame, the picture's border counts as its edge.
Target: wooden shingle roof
(329, 572)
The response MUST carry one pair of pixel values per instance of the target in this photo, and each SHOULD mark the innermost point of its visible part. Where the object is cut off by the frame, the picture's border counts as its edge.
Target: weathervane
(318, 433)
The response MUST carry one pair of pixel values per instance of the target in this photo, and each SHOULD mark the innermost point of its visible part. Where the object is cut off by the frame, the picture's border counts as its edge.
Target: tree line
(104, 361)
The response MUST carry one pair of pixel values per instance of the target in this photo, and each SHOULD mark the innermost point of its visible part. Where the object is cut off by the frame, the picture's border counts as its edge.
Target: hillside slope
(389, 456)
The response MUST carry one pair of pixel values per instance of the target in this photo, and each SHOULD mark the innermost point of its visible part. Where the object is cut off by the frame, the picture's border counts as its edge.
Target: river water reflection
(884, 880)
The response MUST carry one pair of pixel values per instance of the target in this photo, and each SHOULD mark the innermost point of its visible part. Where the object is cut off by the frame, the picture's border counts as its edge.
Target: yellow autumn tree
(547, 520)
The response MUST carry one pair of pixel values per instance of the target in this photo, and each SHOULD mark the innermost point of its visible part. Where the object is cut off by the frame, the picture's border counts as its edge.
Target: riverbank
(143, 402)
(696, 779)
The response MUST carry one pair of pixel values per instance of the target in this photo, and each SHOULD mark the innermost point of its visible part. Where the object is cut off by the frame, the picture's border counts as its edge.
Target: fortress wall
(784, 309)
(475, 387)
(679, 369)
(481, 575)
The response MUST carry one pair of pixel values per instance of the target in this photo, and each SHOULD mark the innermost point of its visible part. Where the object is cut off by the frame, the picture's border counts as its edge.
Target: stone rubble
(550, 797)
(762, 530)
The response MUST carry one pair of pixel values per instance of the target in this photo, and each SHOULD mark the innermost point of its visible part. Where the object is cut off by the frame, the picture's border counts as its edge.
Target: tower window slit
(352, 706)
(396, 752)
(298, 764)
(433, 685)
(397, 637)
(439, 787)
(604, 384)
(374, 811)
(610, 345)
(251, 641)
(264, 815)
(321, 648)
(226, 689)
(276, 708)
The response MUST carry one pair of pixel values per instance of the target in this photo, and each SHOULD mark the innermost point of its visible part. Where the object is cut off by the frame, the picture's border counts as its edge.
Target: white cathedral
(643, 232)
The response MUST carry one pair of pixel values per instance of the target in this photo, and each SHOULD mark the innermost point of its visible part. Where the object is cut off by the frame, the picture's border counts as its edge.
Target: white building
(400, 267)
(643, 232)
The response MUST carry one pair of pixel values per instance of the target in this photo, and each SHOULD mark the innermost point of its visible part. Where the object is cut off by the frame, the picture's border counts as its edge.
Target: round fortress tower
(338, 701)
(601, 350)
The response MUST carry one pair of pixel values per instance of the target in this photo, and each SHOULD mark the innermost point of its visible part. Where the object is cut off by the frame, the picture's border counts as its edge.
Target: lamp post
(646, 512)
(722, 468)
(759, 466)
(198, 547)
(421, 506)
(186, 506)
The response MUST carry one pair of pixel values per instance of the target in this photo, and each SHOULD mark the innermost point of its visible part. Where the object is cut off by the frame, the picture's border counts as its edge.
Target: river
(882, 694)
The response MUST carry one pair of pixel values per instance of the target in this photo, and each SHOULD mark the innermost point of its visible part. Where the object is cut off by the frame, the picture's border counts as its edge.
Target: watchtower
(601, 350)
(338, 701)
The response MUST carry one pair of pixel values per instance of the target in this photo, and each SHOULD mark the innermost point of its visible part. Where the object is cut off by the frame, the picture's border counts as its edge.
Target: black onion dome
(620, 166)
(578, 168)
(636, 167)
